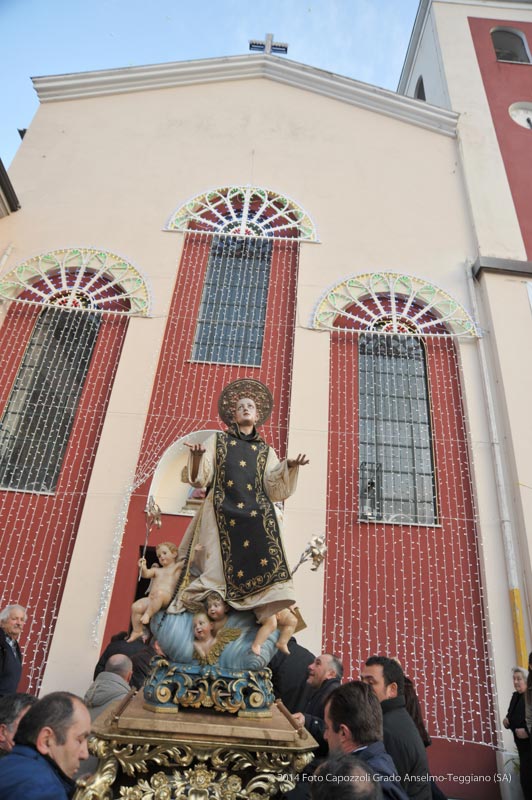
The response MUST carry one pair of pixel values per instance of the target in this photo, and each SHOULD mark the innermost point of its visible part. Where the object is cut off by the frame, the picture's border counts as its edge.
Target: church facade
(368, 256)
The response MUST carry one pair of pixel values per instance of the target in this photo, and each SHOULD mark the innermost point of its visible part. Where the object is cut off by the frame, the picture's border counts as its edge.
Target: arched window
(245, 223)
(510, 45)
(396, 464)
(64, 294)
(419, 93)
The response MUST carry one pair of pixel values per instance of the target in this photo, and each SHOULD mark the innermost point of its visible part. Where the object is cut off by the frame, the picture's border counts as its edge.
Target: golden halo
(245, 387)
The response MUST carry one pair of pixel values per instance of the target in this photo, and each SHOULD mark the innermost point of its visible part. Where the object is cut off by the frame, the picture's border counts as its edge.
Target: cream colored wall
(108, 171)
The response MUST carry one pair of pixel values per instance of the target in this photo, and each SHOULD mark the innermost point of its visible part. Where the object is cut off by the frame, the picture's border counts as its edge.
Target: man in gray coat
(110, 685)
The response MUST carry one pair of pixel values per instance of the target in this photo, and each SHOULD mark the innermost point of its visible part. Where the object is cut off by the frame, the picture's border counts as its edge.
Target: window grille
(39, 415)
(397, 482)
(232, 313)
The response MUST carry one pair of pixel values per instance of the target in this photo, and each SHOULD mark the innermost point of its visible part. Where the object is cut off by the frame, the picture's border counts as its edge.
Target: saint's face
(245, 412)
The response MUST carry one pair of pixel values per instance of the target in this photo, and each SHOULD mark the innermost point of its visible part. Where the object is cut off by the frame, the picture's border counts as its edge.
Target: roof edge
(159, 76)
(9, 201)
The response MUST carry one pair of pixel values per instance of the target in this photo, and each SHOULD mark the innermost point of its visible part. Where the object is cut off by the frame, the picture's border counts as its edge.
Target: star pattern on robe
(254, 447)
(249, 486)
(232, 443)
(246, 543)
(240, 505)
(232, 523)
(253, 514)
(263, 562)
(230, 483)
(240, 574)
(242, 463)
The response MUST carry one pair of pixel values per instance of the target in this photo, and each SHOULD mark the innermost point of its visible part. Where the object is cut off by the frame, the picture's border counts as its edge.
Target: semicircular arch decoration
(244, 211)
(78, 278)
(391, 302)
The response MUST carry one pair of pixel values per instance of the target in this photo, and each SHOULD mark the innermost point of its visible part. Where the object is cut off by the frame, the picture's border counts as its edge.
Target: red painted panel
(507, 83)
(185, 394)
(39, 531)
(407, 591)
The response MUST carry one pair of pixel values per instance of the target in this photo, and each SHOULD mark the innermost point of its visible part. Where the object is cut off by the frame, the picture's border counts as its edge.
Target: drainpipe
(5, 255)
(502, 494)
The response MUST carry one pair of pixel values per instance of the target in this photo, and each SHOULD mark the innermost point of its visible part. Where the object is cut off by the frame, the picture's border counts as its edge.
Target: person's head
(12, 619)
(345, 777)
(120, 664)
(519, 677)
(385, 676)
(58, 726)
(217, 608)
(353, 717)
(245, 412)
(166, 553)
(12, 709)
(202, 625)
(322, 668)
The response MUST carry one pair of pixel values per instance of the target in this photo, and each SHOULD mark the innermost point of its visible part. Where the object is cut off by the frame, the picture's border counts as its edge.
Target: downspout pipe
(501, 491)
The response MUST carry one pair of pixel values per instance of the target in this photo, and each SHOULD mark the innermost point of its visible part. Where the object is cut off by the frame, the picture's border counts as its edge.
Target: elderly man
(12, 620)
(12, 709)
(110, 685)
(324, 675)
(50, 743)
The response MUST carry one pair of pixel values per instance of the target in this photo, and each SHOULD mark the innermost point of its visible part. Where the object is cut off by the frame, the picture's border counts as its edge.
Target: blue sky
(363, 39)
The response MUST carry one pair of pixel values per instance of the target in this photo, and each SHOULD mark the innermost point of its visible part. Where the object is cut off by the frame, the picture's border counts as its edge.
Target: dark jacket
(289, 676)
(118, 645)
(376, 757)
(10, 665)
(403, 742)
(27, 775)
(314, 712)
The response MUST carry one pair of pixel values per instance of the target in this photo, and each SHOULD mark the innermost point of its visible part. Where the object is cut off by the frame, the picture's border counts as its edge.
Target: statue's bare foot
(283, 648)
(135, 635)
(255, 648)
(145, 619)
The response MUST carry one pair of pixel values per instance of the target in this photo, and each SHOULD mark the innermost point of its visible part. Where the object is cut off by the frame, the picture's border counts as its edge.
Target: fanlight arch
(244, 211)
(392, 303)
(78, 278)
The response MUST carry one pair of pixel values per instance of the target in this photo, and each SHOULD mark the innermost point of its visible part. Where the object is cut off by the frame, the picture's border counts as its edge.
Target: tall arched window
(245, 223)
(65, 294)
(396, 463)
(510, 45)
(419, 93)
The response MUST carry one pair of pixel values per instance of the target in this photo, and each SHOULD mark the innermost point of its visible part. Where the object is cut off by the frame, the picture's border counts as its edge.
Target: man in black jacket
(324, 675)
(353, 724)
(401, 737)
(12, 620)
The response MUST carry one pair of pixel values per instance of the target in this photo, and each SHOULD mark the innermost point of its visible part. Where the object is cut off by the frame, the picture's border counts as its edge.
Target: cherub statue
(163, 583)
(217, 610)
(204, 637)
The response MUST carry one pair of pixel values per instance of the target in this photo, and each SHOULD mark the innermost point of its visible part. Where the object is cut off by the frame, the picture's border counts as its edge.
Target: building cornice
(9, 201)
(502, 265)
(185, 73)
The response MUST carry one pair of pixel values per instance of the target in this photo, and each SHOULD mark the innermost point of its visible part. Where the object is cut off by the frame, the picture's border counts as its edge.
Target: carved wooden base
(199, 755)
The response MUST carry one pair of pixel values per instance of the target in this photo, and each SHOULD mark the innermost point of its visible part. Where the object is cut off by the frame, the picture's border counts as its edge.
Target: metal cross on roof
(268, 45)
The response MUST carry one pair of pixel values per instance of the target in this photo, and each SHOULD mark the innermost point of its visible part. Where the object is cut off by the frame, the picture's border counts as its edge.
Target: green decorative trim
(244, 211)
(356, 303)
(128, 283)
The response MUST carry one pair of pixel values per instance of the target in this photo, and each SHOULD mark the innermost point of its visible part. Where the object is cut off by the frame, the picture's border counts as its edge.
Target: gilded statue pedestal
(196, 754)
